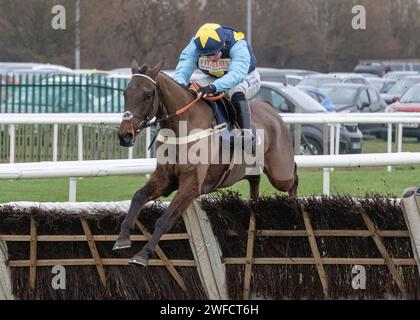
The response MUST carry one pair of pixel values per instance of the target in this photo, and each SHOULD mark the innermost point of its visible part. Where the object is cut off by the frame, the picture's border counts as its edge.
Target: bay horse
(151, 93)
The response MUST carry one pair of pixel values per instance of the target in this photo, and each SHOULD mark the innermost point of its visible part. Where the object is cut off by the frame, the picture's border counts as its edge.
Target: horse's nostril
(126, 138)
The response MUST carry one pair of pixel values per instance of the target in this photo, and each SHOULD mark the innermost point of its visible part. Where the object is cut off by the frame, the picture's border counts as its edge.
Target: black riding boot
(242, 107)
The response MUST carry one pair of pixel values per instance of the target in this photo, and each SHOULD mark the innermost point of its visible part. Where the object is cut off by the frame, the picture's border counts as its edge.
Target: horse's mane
(143, 69)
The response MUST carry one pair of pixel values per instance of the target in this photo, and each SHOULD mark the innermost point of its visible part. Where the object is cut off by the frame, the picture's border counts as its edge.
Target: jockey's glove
(211, 88)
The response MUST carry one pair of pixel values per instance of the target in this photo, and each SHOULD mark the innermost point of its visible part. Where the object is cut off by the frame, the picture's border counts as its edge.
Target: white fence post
(389, 142)
(55, 142)
(72, 189)
(12, 141)
(332, 136)
(337, 138)
(332, 142)
(80, 142)
(326, 181)
(326, 171)
(400, 136)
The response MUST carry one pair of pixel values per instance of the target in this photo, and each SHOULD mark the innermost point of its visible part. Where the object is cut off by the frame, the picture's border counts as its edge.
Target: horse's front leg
(158, 185)
(176, 208)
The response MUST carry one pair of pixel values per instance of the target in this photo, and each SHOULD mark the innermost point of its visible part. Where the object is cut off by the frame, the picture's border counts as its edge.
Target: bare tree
(312, 34)
(26, 33)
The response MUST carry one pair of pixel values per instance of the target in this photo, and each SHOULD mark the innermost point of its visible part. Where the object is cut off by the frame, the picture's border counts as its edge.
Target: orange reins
(195, 87)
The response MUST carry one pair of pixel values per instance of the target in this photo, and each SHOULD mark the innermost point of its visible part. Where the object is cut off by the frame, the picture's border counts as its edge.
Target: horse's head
(141, 101)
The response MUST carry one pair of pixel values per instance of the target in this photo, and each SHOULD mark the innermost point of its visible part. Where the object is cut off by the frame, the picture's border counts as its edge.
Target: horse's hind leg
(289, 186)
(293, 190)
(254, 186)
(159, 184)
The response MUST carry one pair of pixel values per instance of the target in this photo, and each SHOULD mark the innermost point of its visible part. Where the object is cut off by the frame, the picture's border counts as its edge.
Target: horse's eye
(147, 95)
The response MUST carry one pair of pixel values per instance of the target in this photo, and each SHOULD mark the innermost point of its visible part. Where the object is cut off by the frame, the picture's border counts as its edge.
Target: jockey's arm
(238, 68)
(187, 64)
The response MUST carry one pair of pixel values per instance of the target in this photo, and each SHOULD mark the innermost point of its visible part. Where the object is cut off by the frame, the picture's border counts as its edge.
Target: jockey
(227, 58)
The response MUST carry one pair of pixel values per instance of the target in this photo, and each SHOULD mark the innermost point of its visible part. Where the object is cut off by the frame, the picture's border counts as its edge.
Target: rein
(179, 111)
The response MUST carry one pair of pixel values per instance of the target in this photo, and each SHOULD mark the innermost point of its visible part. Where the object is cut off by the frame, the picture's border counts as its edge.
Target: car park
(319, 80)
(399, 88)
(356, 98)
(349, 77)
(395, 64)
(382, 84)
(404, 66)
(8, 67)
(67, 93)
(378, 69)
(319, 96)
(289, 99)
(278, 75)
(409, 102)
(398, 75)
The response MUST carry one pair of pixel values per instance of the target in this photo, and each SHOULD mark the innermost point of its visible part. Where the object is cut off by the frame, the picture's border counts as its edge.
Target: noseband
(128, 116)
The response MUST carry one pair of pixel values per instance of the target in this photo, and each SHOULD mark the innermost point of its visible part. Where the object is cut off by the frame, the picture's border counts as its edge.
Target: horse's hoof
(122, 244)
(138, 260)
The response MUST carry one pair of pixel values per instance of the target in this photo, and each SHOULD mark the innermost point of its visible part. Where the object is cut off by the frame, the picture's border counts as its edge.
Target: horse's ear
(142, 69)
(156, 69)
(134, 65)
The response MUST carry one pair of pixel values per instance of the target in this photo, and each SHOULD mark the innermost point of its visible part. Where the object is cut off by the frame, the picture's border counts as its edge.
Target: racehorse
(151, 94)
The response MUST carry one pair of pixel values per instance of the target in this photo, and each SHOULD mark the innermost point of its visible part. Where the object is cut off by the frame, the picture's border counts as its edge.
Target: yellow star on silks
(207, 31)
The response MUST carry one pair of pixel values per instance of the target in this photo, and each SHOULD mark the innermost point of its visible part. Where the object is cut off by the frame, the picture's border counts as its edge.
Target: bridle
(128, 115)
(147, 120)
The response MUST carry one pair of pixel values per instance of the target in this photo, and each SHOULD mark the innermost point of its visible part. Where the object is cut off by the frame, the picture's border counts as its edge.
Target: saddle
(224, 112)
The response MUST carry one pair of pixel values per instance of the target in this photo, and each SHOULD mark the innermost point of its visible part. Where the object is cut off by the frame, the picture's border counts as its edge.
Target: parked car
(29, 73)
(382, 84)
(121, 71)
(7, 67)
(399, 88)
(356, 98)
(409, 102)
(278, 75)
(396, 65)
(368, 75)
(378, 69)
(22, 67)
(398, 75)
(293, 80)
(286, 99)
(404, 66)
(67, 93)
(350, 77)
(319, 96)
(91, 71)
(319, 80)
